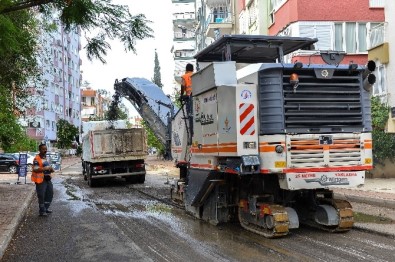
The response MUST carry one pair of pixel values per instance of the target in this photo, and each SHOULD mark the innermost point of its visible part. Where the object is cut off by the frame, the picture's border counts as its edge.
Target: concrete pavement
(15, 198)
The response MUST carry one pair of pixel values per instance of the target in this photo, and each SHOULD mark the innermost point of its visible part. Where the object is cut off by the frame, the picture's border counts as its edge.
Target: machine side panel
(227, 127)
(179, 138)
(247, 121)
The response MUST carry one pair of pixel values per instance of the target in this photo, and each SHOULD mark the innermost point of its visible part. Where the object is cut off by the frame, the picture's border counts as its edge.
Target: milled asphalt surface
(15, 198)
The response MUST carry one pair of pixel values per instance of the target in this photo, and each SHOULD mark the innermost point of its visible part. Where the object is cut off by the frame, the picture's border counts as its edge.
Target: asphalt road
(120, 222)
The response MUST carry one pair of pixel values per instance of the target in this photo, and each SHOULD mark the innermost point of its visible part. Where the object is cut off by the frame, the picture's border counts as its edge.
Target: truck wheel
(130, 179)
(141, 179)
(91, 182)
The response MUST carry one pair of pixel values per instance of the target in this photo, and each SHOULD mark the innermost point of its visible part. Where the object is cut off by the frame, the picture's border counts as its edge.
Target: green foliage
(118, 115)
(18, 50)
(23, 144)
(107, 20)
(379, 114)
(152, 139)
(79, 150)
(176, 97)
(157, 76)
(66, 134)
(115, 112)
(383, 143)
(12, 136)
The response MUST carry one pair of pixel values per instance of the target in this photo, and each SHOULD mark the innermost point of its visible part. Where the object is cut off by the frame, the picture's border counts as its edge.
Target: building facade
(57, 95)
(94, 105)
(214, 18)
(184, 35)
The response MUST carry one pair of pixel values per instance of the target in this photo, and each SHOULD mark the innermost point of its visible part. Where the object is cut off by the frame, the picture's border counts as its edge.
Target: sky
(121, 64)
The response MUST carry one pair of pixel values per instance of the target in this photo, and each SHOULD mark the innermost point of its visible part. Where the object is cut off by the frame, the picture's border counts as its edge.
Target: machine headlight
(279, 149)
(249, 145)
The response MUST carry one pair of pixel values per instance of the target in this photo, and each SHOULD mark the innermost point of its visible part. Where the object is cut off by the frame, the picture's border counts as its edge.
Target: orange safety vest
(187, 83)
(38, 177)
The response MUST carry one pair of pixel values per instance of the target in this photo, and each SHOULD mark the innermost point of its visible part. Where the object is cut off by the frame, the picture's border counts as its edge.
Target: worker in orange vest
(41, 176)
(186, 82)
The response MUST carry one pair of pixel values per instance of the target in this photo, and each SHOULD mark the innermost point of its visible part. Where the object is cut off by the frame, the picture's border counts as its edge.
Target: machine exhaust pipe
(368, 82)
(370, 67)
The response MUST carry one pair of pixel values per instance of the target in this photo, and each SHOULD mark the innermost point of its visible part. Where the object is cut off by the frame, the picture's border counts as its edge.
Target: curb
(20, 214)
(371, 201)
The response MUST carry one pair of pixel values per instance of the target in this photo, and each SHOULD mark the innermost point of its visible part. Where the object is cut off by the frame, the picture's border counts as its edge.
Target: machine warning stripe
(205, 166)
(247, 126)
(214, 149)
(315, 169)
(331, 169)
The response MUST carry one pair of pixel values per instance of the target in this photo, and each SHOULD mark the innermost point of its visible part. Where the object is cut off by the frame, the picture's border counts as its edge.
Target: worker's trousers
(44, 194)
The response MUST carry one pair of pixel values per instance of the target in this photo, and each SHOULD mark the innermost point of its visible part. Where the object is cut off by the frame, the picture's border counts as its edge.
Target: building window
(351, 37)
(377, 3)
(379, 87)
(92, 101)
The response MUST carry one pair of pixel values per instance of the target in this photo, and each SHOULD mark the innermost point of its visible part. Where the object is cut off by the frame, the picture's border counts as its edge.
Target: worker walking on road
(41, 176)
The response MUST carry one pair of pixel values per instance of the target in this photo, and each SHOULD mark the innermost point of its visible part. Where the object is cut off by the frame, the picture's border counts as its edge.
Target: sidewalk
(14, 200)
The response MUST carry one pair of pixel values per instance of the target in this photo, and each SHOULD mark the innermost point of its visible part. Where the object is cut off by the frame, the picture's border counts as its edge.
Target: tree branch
(24, 5)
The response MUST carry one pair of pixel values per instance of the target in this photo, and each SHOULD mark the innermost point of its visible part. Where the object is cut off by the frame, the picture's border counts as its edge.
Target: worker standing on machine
(186, 96)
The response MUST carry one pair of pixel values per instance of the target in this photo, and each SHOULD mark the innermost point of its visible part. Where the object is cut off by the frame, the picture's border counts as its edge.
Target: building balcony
(216, 2)
(378, 46)
(184, 35)
(184, 16)
(377, 35)
(218, 24)
(182, 1)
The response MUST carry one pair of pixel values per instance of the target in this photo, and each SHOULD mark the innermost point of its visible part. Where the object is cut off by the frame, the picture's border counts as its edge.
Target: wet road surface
(120, 222)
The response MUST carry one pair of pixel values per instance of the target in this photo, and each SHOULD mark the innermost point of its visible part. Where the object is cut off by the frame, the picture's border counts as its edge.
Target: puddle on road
(150, 208)
(71, 192)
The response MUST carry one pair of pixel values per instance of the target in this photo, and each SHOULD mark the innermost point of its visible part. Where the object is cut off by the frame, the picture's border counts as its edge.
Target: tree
(157, 77)
(109, 21)
(66, 134)
(114, 112)
(152, 139)
(383, 143)
(18, 50)
(12, 137)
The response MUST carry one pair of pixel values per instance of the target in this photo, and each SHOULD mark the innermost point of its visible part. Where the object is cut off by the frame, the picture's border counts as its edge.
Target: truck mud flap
(200, 184)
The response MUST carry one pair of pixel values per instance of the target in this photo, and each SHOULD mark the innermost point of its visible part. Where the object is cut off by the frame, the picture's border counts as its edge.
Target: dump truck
(112, 150)
(267, 140)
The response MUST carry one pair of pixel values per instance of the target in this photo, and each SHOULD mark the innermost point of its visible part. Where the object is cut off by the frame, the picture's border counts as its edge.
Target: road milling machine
(266, 141)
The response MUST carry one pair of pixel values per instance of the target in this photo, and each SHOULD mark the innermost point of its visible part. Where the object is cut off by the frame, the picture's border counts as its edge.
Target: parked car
(9, 163)
(56, 160)
(30, 159)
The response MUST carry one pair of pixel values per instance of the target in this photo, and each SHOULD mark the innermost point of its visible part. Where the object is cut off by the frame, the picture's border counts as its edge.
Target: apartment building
(382, 51)
(93, 104)
(215, 18)
(57, 95)
(184, 35)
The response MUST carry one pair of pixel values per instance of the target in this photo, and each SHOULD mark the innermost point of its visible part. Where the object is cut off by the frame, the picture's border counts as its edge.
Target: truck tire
(91, 182)
(141, 179)
(131, 179)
